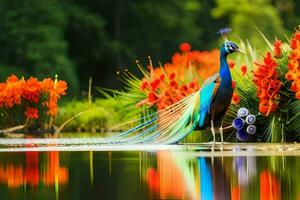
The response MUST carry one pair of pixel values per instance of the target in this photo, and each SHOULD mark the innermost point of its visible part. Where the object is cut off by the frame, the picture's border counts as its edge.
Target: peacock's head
(229, 47)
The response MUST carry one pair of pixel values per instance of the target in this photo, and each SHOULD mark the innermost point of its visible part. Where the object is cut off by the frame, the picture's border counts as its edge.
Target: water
(31, 169)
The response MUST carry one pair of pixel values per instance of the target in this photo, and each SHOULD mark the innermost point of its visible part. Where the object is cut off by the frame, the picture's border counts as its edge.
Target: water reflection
(147, 175)
(16, 174)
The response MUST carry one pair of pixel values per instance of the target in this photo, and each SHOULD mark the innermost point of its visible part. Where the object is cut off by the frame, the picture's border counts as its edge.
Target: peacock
(203, 109)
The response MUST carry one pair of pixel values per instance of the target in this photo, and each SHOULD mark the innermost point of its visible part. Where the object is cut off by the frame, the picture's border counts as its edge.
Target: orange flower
(267, 106)
(277, 49)
(11, 91)
(297, 94)
(265, 78)
(235, 99)
(12, 79)
(58, 90)
(31, 90)
(185, 47)
(32, 113)
(47, 85)
(293, 64)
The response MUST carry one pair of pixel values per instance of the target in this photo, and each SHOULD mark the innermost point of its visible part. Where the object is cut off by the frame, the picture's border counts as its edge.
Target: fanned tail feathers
(166, 126)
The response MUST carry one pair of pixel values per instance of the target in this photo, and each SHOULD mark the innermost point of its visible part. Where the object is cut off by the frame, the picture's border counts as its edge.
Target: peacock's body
(202, 109)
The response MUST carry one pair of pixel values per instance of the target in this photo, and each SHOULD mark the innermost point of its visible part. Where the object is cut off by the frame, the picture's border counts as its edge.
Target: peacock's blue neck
(224, 71)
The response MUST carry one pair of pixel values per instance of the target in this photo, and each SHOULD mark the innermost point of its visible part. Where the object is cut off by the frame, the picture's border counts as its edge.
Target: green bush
(99, 116)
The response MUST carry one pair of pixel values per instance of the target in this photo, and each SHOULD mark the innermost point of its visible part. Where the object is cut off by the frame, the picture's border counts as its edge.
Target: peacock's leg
(213, 131)
(221, 133)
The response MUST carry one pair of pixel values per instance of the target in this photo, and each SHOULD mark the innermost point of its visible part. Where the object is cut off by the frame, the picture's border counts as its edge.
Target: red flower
(32, 113)
(173, 81)
(231, 64)
(192, 85)
(155, 84)
(277, 49)
(233, 84)
(185, 47)
(244, 69)
(162, 77)
(173, 84)
(152, 97)
(235, 99)
(172, 76)
(144, 85)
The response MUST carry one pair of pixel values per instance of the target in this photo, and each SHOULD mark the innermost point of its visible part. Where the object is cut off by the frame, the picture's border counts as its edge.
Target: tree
(32, 39)
(245, 15)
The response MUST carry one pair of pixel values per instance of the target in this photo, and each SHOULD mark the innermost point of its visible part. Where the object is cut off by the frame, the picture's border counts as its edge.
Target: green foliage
(101, 115)
(245, 15)
(79, 39)
(32, 39)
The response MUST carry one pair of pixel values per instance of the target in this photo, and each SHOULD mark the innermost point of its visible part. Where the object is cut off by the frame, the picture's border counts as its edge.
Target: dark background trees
(78, 39)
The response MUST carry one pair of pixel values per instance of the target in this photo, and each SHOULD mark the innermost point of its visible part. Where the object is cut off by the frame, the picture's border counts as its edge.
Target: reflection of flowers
(54, 170)
(17, 175)
(168, 179)
(32, 175)
(172, 178)
(12, 175)
(269, 186)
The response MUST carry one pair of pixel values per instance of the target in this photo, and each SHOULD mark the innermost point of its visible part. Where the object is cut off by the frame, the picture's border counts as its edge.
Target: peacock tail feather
(166, 126)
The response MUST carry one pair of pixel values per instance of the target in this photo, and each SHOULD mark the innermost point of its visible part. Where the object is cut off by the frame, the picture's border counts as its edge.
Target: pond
(80, 169)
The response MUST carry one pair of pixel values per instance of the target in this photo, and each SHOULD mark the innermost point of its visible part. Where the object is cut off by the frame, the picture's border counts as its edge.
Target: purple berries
(238, 123)
(242, 135)
(243, 123)
(243, 112)
(251, 129)
(250, 119)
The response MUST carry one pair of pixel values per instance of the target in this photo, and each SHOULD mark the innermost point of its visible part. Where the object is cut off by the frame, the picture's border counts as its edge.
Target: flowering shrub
(165, 85)
(31, 96)
(268, 85)
(273, 92)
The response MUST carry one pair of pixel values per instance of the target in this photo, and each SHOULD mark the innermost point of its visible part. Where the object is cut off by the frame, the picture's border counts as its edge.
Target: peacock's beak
(241, 51)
